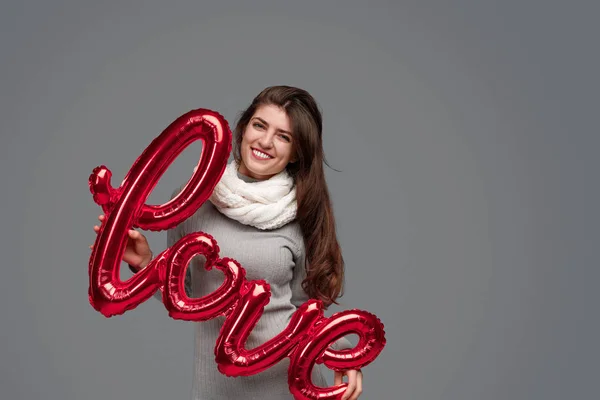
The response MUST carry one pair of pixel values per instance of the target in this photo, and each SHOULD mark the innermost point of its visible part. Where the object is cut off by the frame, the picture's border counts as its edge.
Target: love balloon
(309, 333)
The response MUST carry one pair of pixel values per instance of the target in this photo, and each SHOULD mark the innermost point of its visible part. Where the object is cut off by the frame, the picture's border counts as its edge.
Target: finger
(359, 385)
(358, 390)
(96, 228)
(92, 246)
(101, 217)
(351, 384)
(337, 378)
(137, 235)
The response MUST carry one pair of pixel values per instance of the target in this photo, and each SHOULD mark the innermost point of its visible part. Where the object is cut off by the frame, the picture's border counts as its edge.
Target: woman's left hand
(354, 388)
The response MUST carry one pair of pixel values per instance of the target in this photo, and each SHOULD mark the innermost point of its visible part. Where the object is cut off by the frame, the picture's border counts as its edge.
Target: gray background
(466, 134)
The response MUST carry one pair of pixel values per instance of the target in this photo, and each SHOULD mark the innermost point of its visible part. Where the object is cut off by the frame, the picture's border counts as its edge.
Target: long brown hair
(324, 261)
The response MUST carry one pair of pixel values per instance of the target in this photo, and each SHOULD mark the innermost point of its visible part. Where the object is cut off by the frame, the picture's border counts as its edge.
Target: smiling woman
(270, 211)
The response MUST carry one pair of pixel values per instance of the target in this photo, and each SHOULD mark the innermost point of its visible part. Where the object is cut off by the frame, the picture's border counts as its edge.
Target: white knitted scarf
(267, 204)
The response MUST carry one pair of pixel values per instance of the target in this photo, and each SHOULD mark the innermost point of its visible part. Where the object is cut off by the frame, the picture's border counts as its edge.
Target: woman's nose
(266, 140)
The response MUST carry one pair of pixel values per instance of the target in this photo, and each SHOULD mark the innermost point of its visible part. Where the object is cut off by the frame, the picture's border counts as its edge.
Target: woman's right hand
(137, 251)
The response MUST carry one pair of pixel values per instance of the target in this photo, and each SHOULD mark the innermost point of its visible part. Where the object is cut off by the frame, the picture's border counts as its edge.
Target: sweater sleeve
(299, 296)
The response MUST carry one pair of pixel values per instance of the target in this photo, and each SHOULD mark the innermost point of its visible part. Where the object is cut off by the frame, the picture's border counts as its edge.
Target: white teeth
(260, 154)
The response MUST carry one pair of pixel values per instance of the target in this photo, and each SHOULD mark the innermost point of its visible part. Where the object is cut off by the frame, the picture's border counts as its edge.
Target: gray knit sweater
(276, 256)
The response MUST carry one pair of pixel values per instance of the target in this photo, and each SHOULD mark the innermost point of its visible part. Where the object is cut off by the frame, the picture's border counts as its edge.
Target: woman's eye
(285, 137)
(257, 125)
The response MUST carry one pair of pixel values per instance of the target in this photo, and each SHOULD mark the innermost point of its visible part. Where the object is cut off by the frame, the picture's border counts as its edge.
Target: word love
(306, 338)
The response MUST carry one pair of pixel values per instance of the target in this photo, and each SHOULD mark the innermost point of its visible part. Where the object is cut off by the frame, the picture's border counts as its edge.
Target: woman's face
(267, 143)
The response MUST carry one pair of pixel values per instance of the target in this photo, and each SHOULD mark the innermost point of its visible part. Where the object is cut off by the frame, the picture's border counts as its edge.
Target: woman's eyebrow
(267, 124)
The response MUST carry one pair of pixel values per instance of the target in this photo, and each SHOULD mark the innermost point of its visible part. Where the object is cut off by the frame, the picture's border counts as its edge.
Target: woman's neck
(246, 178)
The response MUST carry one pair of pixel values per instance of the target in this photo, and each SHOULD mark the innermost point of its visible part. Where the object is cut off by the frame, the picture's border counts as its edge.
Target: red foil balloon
(314, 349)
(308, 335)
(179, 305)
(231, 356)
(124, 206)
